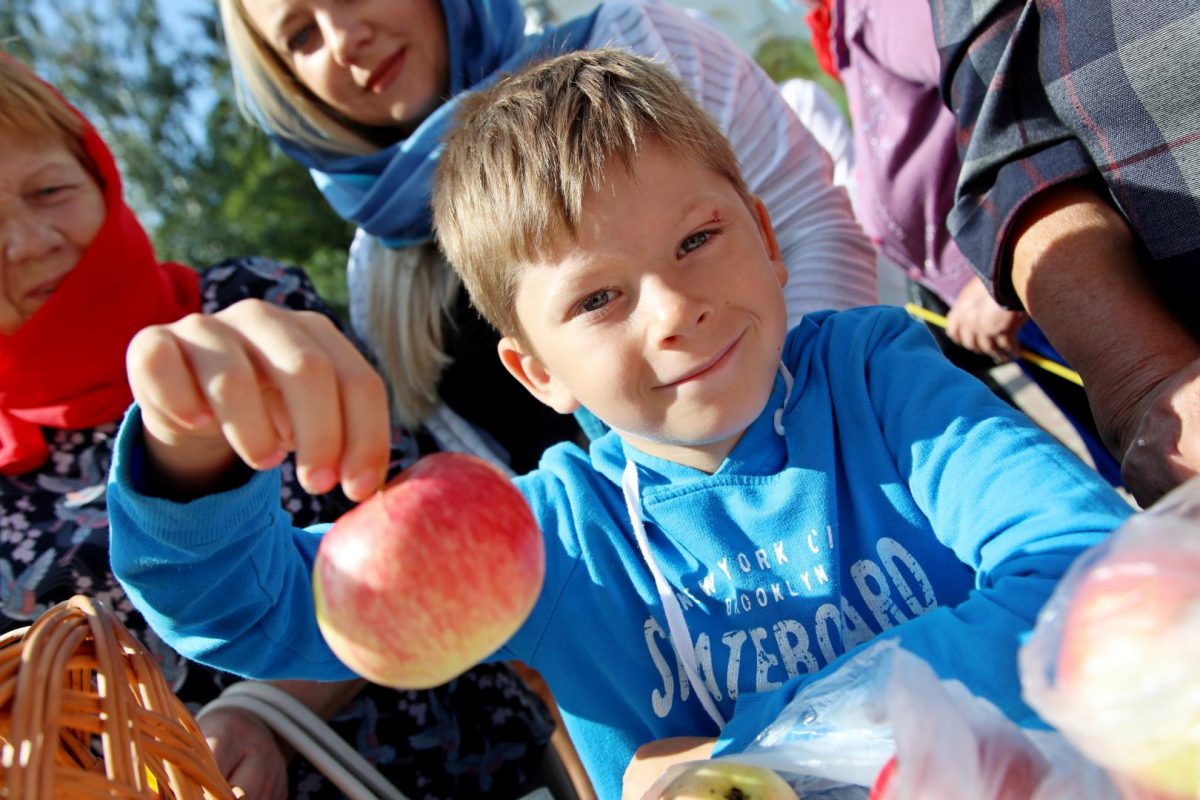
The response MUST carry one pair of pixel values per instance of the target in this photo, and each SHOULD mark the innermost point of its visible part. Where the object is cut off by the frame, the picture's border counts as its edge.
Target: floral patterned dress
(481, 735)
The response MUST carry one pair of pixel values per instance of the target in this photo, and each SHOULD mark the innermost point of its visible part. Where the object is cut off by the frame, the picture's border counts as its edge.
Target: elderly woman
(79, 279)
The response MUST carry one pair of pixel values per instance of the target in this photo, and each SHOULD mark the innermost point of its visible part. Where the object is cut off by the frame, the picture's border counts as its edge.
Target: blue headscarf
(388, 193)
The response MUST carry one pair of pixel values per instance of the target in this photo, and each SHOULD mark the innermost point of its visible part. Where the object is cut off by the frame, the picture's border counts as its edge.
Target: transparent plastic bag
(832, 741)
(1114, 660)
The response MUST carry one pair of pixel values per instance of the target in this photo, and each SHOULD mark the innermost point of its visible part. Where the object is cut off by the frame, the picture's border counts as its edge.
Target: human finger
(221, 360)
(260, 776)
(365, 416)
(246, 752)
(293, 356)
(162, 382)
(1164, 448)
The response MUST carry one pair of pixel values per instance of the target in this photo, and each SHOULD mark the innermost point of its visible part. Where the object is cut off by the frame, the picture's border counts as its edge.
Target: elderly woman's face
(378, 62)
(51, 207)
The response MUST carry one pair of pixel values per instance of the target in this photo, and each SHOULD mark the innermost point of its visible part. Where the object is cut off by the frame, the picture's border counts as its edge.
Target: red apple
(1010, 769)
(1126, 672)
(431, 575)
(884, 786)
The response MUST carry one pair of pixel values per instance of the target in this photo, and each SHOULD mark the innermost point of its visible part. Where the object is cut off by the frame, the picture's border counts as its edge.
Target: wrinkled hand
(980, 324)
(246, 752)
(255, 381)
(1163, 447)
(654, 758)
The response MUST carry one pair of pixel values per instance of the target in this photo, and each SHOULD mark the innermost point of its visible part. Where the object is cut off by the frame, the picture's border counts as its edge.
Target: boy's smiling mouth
(709, 366)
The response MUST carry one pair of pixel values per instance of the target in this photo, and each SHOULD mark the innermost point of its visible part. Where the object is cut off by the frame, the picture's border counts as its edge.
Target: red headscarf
(65, 367)
(820, 22)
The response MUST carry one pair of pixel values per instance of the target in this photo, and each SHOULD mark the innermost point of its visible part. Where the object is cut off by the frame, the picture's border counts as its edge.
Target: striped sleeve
(830, 262)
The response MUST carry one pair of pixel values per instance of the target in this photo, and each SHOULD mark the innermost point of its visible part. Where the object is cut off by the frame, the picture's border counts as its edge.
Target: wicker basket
(76, 683)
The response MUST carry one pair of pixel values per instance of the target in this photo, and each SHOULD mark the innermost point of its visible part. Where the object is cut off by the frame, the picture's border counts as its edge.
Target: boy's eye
(596, 301)
(694, 242)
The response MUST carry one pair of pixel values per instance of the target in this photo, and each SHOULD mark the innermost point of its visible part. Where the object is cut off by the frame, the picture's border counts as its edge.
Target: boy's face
(665, 317)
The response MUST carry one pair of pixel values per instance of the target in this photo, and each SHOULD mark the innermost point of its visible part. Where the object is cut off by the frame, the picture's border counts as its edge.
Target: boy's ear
(772, 244)
(534, 376)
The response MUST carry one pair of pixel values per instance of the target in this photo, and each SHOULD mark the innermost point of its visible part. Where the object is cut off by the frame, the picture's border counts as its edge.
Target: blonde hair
(409, 293)
(515, 169)
(30, 107)
(268, 92)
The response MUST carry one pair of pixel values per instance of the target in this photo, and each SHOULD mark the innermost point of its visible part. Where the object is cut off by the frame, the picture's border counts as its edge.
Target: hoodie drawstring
(675, 621)
(676, 624)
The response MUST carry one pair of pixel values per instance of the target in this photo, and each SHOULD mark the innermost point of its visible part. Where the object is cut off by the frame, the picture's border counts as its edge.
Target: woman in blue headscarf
(361, 93)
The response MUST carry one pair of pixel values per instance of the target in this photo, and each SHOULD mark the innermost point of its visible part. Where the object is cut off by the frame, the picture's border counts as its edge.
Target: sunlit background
(152, 76)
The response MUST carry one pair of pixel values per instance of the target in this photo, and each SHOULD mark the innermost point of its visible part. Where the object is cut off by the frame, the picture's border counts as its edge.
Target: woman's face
(378, 62)
(51, 207)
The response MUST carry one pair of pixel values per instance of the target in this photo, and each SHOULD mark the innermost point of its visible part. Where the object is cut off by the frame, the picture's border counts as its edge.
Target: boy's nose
(676, 312)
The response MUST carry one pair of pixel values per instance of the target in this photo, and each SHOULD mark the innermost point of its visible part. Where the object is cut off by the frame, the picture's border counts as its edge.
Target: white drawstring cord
(676, 624)
(788, 382)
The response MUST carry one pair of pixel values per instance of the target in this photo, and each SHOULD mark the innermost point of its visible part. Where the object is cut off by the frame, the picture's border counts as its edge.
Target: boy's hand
(255, 382)
(654, 758)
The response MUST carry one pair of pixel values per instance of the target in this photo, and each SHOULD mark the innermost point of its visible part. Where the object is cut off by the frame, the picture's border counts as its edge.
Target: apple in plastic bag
(431, 575)
(1009, 774)
(1123, 623)
(723, 780)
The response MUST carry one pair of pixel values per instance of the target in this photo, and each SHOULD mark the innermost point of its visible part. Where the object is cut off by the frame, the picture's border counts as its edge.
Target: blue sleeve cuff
(194, 524)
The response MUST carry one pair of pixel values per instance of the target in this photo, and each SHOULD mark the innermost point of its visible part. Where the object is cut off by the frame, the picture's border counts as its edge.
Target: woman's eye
(694, 242)
(596, 301)
(298, 40)
(50, 192)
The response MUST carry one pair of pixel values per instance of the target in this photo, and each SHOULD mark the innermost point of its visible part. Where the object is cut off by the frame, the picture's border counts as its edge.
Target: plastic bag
(832, 741)
(1114, 660)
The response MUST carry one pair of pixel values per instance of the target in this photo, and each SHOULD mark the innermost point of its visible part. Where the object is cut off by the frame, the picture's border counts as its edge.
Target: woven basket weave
(76, 683)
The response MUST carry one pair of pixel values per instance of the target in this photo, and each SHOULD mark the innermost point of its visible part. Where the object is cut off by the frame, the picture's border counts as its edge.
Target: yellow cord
(1053, 367)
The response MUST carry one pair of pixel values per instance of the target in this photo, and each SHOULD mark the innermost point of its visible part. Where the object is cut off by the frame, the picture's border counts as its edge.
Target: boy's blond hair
(517, 165)
(31, 108)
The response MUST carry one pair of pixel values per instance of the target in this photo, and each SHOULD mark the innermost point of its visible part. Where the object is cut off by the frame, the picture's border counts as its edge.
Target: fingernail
(201, 419)
(321, 480)
(361, 486)
(274, 460)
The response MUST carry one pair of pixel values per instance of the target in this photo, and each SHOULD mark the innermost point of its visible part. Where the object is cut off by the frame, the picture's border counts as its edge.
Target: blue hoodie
(881, 492)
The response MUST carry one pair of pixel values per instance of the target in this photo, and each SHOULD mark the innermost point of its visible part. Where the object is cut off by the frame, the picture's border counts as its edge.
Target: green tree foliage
(785, 57)
(205, 182)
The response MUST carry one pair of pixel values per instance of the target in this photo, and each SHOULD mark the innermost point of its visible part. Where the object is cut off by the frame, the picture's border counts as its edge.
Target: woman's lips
(44, 289)
(706, 368)
(387, 72)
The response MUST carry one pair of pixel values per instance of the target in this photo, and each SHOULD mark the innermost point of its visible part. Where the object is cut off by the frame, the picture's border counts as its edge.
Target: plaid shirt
(1047, 91)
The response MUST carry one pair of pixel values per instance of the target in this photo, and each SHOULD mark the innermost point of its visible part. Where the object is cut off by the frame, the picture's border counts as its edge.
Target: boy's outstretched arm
(1013, 505)
(199, 540)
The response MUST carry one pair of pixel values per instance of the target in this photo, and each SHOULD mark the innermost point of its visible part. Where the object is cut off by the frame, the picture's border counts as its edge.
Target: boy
(765, 500)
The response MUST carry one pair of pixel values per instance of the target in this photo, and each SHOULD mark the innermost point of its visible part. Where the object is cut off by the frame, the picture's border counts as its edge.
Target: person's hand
(254, 382)
(980, 324)
(1163, 446)
(246, 752)
(654, 758)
